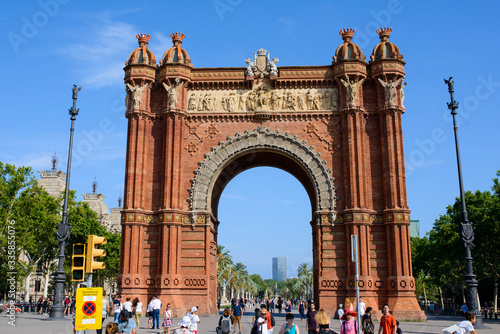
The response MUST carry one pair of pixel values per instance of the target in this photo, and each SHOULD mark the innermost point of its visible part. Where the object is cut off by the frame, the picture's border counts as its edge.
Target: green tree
(37, 217)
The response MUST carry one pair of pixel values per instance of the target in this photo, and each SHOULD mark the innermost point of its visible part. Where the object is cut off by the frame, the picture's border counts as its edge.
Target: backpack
(225, 325)
(273, 322)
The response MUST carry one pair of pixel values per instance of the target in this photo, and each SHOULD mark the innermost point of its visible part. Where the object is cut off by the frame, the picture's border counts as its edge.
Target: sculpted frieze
(263, 98)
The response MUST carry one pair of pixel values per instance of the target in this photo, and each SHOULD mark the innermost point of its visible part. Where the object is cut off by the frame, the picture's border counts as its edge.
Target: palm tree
(305, 283)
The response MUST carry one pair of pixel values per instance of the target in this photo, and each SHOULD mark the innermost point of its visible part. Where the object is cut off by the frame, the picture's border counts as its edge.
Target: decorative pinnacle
(347, 34)
(177, 37)
(384, 33)
(143, 39)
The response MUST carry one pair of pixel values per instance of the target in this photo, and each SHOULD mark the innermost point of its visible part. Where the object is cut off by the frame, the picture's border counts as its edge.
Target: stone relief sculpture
(192, 102)
(390, 91)
(352, 90)
(136, 92)
(249, 71)
(402, 93)
(263, 98)
(273, 69)
(173, 93)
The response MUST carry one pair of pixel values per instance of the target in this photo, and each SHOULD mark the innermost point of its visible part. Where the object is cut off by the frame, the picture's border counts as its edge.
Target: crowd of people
(317, 321)
(127, 316)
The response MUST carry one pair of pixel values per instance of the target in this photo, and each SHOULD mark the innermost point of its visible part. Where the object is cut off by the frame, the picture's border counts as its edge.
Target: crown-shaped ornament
(261, 52)
(143, 39)
(177, 37)
(384, 33)
(347, 34)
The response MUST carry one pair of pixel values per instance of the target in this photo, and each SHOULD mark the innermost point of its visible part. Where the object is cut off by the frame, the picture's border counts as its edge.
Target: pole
(466, 228)
(354, 258)
(63, 228)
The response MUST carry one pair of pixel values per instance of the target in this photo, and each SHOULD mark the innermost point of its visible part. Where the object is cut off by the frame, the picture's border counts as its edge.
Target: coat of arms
(262, 64)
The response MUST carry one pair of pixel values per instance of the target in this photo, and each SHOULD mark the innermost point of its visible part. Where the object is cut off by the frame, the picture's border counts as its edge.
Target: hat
(185, 322)
(347, 311)
(194, 309)
(125, 313)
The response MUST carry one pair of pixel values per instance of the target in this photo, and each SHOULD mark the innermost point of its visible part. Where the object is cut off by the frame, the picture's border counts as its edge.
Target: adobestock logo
(31, 26)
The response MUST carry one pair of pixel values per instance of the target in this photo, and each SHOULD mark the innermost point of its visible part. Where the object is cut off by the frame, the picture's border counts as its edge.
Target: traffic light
(93, 252)
(78, 263)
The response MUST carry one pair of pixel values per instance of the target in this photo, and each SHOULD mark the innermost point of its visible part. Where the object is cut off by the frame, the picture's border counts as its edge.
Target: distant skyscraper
(279, 268)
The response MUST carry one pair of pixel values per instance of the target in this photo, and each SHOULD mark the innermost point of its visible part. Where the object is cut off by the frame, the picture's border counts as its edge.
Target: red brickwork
(183, 149)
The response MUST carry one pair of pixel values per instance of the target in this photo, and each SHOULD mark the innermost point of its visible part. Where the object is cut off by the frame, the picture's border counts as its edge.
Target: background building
(279, 268)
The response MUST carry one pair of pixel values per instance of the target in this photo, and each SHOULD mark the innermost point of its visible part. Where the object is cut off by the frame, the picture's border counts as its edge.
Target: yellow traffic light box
(93, 252)
(78, 263)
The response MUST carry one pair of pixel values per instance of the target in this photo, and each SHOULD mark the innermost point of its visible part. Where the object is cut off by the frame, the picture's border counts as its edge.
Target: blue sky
(47, 46)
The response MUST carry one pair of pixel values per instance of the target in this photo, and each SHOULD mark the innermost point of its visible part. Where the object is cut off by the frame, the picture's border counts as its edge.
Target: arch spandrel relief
(263, 98)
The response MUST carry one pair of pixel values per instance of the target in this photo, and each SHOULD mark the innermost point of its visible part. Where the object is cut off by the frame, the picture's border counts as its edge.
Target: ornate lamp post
(63, 228)
(466, 229)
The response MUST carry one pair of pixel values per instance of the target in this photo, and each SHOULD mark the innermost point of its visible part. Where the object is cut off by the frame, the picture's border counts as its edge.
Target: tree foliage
(438, 257)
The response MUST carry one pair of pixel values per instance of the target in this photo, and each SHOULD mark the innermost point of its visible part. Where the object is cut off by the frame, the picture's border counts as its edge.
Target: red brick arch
(191, 130)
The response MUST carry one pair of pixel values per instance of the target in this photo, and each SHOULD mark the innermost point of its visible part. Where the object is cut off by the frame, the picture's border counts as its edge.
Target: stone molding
(263, 138)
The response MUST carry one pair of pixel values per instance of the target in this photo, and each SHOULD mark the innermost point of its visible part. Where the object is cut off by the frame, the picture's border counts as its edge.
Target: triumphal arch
(336, 128)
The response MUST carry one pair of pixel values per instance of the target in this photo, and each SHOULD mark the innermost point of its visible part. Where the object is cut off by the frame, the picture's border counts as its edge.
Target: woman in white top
(128, 305)
(137, 307)
(466, 326)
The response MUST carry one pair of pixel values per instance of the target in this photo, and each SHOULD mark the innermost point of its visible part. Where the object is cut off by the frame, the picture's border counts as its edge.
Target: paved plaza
(31, 323)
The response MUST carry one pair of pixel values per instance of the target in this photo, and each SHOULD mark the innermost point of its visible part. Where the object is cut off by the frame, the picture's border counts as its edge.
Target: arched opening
(265, 213)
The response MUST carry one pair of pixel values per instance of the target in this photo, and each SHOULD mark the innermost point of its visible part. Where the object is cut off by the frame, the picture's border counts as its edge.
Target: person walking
(367, 322)
(349, 325)
(262, 322)
(150, 314)
(195, 320)
(126, 324)
(237, 313)
(117, 307)
(361, 307)
(226, 321)
(267, 315)
(105, 311)
(127, 305)
(323, 321)
(387, 322)
(137, 310)
(167, 319)
(67, 305)
(156, 306)
(288, 306)
(302, 310)
(289, 327)
(340, 313)
(311, 324)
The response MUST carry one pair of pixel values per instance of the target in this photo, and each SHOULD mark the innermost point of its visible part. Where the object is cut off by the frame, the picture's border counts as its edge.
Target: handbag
(450, 330)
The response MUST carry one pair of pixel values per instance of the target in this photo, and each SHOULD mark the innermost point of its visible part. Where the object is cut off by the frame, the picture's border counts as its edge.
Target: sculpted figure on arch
(136, 92)
(390, 90)
(352, 90)
(173, 93)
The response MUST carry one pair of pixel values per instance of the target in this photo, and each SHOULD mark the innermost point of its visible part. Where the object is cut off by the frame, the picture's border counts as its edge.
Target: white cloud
(101, 55)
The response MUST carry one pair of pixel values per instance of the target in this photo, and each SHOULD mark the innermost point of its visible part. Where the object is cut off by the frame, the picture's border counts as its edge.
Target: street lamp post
(63, 228)
(466, 229)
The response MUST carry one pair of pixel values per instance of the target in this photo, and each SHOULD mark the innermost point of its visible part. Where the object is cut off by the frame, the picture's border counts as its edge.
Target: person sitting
(466, 326)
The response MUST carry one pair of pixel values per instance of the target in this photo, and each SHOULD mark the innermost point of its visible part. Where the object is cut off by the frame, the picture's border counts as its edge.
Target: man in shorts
(237, 313)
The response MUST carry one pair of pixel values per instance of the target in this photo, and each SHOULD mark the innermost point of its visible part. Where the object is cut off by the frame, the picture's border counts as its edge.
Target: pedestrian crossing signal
(78, 263)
